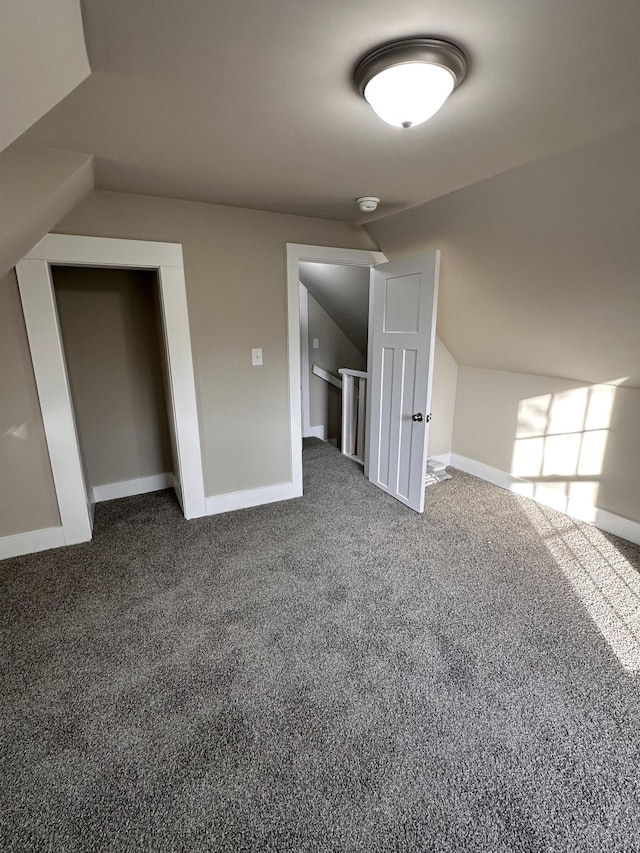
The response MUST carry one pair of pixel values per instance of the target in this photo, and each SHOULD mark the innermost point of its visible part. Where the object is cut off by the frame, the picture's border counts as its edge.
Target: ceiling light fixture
(406, 82)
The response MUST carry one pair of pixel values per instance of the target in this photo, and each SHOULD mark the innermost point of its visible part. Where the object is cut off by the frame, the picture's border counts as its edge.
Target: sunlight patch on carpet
(607, 584)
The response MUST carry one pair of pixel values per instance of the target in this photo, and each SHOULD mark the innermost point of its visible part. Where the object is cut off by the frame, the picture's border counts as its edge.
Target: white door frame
(307, 429)
(297, 252)
(47, 353)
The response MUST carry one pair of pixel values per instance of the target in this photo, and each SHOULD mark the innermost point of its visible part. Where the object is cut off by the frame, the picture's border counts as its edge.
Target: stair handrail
(328, 377)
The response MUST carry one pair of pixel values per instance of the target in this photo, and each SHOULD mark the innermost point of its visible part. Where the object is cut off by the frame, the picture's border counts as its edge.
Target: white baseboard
(251, 497)
(31, 541)
(126, 488)
(604, 520)
(315, 432)
(625, 528)
(443, 458)
(485, 472)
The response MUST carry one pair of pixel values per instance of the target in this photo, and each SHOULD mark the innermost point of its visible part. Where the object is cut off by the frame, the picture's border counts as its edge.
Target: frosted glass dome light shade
(407, 95)
(406, 82)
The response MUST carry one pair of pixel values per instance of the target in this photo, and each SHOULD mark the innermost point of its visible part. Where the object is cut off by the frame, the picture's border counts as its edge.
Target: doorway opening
(334, 319)
(111, 333)
(400, 351)
(298, 255)
(35, 280)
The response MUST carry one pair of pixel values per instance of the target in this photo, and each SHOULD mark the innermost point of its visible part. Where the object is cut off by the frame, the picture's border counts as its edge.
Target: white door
(401, 345)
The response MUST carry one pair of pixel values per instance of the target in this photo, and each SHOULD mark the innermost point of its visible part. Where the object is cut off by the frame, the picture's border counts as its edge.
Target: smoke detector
(367, 203)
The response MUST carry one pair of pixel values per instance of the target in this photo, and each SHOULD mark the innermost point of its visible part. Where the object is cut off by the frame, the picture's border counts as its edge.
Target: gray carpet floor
(333, 673)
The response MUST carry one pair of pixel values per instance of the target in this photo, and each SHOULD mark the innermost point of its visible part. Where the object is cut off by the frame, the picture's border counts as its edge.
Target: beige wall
(235, 270)
(539, 279)
(335, 350)
(540, 265)
(42, 58)
(443, 400)
(27, 498)
(573, 437)
(110, 329)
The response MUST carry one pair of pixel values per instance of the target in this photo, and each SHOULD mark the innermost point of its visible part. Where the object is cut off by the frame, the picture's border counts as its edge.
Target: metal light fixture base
(430, 50)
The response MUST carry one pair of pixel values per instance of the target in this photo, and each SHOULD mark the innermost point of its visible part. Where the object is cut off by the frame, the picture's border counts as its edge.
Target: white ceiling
(251, 103)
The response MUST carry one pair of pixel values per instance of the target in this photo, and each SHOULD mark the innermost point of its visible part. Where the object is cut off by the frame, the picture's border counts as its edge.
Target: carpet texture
(333, 673)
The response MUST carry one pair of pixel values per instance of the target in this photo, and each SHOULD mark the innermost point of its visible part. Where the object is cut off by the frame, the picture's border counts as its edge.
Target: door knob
(418, 417)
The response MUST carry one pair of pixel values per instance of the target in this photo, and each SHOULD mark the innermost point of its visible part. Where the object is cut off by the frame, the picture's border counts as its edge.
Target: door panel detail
(402, 304)
(402, 341)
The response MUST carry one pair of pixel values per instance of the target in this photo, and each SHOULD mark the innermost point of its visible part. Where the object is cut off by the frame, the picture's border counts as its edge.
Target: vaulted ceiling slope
(343, 292)
(252, 104)
(42, 58)
(540, 265)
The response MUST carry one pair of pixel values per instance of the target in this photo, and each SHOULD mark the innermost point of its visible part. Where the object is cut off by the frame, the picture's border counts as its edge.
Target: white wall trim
(304, 360)
(618, 525)
(297, 252)
(251, 497)
(47, 354)
(442, 458)
(31, 542)
(607, 521)
(127, 488)
(48, 359)
(182, 389)
(72, 250)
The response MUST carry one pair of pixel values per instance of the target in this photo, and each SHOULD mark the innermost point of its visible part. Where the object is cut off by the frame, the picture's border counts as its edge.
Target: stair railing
(354, 402)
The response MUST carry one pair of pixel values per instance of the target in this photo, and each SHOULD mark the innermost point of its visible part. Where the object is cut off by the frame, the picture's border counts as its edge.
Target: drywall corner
(443, 400)
(39, 188)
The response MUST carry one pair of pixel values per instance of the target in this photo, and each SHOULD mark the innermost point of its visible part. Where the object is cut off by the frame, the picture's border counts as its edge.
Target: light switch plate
(256, 356)
(316, 343)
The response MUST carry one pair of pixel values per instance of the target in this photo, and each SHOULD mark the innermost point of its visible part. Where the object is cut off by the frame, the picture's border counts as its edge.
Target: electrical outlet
(256, 356)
